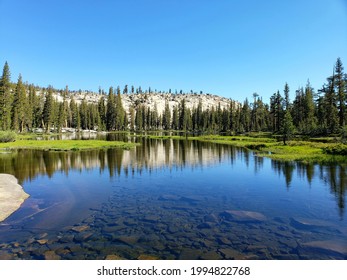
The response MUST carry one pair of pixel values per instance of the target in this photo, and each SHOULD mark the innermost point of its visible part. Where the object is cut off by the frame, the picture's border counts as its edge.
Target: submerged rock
(51, 255)
(113, 257)
(12, 195)
(303, 223)
(144, 257)
(80, 228)
(330, 246)
(243, 216)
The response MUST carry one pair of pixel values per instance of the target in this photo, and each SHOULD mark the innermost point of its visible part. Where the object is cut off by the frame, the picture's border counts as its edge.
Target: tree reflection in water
(154, 154)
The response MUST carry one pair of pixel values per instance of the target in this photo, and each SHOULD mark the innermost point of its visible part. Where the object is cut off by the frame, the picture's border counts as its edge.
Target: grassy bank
(312, 151)
(65, 145)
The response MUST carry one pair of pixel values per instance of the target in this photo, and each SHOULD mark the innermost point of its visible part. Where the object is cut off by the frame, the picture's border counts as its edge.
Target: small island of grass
(65, 145)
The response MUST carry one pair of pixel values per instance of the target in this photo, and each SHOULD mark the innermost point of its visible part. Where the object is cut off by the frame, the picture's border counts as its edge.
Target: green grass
(65, 145)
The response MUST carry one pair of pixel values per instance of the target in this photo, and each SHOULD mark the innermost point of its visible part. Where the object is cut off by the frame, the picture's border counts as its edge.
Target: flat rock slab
(334, 246)
(304, 223)
(243, 216)
(12, 195)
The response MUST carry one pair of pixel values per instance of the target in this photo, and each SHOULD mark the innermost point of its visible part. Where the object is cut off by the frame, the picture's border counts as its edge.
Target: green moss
(65, 145)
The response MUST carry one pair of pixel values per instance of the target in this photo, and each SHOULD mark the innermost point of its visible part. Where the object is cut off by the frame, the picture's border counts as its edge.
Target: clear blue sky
(227, 47)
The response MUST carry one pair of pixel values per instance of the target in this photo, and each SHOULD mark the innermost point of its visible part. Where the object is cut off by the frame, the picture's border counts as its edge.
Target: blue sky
(232, 48)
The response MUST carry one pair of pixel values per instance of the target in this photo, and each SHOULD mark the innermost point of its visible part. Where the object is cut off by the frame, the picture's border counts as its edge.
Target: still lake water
(173, 199)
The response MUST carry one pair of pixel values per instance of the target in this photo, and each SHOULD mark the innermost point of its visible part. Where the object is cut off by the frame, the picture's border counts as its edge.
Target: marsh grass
(65, 145)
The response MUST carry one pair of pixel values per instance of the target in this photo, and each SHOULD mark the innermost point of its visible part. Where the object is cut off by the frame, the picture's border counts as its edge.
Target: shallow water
(171, 199)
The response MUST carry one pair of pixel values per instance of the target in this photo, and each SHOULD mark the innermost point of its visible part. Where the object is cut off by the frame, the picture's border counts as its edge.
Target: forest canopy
(24, 107)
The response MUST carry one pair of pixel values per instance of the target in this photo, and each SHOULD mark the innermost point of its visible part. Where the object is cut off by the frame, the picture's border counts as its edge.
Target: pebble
(113, 257)
(80, 228)
(51, 255)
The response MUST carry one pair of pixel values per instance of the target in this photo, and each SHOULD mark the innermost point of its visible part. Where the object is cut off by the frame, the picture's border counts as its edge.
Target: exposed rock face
(155, 99)
(12, 195)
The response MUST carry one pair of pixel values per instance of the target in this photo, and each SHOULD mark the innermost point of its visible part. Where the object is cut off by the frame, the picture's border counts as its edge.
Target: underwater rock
(330, 246)
(51, 255)
(243, 216)
(212, 255)
(42, 241)
(80, 228)
(231, 254)
(113, 257)
(303, 223)
(144, 257)
(130, 240)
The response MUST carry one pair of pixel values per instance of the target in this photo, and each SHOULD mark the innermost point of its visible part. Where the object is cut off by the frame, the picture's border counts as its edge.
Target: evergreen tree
(74, 113)
(19, 107)
(60, 122)
(48, 114)
(330, 106)
(287, 127)
(132, 118)
(119, 112)
(102, 113)
(5, 98)
(110, 111)
(167, 116)
(276, 111)
(340, 84)
(175, 118)
(83, 112)
(309, 109)
(286, 97)
(245, 122)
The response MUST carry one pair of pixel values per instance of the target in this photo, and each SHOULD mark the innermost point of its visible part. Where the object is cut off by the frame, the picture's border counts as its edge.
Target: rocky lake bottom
(220, 208)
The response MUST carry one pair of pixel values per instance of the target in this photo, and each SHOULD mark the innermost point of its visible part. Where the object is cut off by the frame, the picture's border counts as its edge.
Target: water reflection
(155, 154)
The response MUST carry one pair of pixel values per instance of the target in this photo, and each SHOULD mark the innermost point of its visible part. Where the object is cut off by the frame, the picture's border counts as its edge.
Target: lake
(173, 199)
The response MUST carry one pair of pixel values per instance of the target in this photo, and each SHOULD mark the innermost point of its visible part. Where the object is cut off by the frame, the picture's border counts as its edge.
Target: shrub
(340, 150)
(255, 146)
(7, 136)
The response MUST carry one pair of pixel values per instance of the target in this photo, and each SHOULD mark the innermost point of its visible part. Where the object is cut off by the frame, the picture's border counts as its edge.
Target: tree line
(24, 107)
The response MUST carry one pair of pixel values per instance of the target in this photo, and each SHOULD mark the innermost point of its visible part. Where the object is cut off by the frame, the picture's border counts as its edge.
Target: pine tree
(132, 118)
(330, 106)
(175, 118)
(19, 107)
(48, 114)
(287, 127)
(60, 121)
(340, 84)
(110, 111)
(245, 122)
(309, 110)
(119, 112)
(74, 113)
(166, 116)
(286, 97)
(5, 98)
(84, 114)
(102, 113)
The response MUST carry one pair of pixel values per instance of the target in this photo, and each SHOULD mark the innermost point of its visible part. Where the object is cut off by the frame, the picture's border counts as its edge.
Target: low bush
(7, 136)
(255, 146)
(340, 150)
